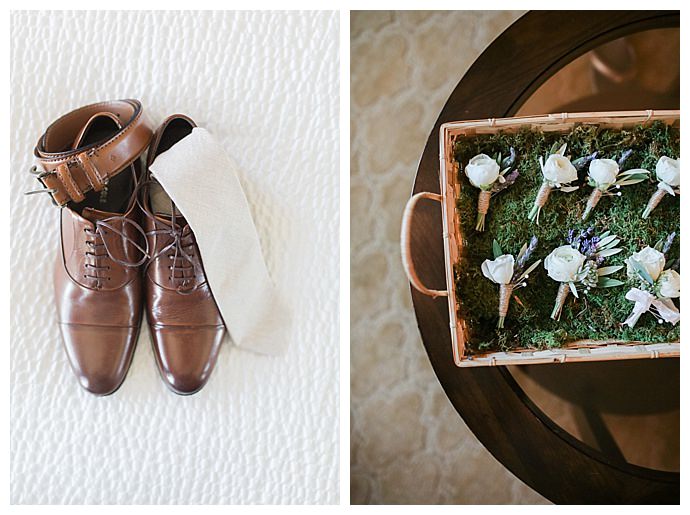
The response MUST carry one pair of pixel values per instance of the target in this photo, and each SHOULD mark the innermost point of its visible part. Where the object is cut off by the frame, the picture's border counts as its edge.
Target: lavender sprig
(581, 162)
(524, 256)
(588, 246)
(585, 242)
(509, 181)
(668, 242)
(624, 157)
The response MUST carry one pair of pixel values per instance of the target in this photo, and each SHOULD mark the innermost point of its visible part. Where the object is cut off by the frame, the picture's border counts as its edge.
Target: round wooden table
(502, 415)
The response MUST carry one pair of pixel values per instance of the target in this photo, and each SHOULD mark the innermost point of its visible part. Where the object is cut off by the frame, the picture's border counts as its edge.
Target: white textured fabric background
(264, 430)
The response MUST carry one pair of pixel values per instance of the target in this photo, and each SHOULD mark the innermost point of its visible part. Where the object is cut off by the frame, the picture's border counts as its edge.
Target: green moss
(598, 314)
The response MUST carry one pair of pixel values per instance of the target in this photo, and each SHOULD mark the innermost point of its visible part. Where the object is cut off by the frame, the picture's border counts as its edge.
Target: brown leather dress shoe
(91, 165)
(186, 326)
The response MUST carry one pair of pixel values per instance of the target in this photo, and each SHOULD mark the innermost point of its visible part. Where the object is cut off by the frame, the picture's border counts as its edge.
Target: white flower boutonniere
(490, 176)
(580, 262)
(668, 175)
(605, 174)
(510, 273)
(655, 285)
(558, 173)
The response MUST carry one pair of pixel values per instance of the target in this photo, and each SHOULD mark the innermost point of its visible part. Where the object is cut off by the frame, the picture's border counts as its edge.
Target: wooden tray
(576, 351)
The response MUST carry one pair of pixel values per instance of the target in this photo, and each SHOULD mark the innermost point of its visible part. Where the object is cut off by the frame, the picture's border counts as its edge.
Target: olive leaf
(509, 160)
(497, 250)
(608, 241)
(555, 149)
(608, 252)
(524, 274)
(641, 270)
(608, 270)
(607, 282)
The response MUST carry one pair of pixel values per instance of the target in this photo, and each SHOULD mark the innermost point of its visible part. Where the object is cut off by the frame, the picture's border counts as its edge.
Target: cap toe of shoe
(99, 356)
(186, 356)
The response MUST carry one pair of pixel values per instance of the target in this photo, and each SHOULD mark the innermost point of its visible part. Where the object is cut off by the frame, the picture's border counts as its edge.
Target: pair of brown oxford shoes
(125, 246)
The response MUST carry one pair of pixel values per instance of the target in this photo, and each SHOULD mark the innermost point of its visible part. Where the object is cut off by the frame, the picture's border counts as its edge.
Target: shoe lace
(98, 241)
(183, 256)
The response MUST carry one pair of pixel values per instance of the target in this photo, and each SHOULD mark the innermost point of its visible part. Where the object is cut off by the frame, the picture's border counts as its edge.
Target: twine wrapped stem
(504, 295)
(653, 202)
(482, 208)
(540, 201)
(592, 202)
(563, 291)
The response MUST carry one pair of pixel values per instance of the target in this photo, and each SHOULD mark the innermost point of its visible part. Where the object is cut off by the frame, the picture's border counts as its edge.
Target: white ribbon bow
(644, 301)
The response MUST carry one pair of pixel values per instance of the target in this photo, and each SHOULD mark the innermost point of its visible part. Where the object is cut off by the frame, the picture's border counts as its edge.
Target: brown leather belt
(70, 173)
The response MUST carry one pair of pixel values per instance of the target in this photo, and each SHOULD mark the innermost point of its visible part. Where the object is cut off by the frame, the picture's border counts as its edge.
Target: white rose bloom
(563, 263)
(500, 270)
(651, 260)
(482, 171)
(669, 284)
(668, 171)
(603, 171)
(558, 169)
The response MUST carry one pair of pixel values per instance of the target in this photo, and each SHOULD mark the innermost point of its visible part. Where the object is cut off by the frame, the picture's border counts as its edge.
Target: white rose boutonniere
(668, 175)
(491, 176)
(654, 286)
(482, 171)
(605, 174)
(510, 273)
(564, 263)
(500, 270)
(558, 172)
(579, 263)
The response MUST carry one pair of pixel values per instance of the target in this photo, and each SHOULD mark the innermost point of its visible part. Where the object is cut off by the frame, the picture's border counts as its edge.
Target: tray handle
(405, 243)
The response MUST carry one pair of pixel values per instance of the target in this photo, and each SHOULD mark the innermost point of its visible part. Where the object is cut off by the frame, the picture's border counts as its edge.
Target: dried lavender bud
(582, 162)
(509, 161)
(509, 181)
(571, 233)
(668, 242)
(624, 157)
(528, 252)
(522, 261)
